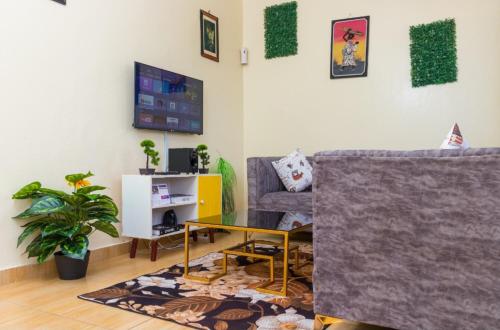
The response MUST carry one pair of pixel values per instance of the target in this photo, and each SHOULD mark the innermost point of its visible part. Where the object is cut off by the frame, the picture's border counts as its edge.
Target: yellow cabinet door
(209, 195)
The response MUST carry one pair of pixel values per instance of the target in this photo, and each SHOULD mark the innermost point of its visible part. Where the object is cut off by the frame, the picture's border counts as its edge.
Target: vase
(147, 171)
(71, 268)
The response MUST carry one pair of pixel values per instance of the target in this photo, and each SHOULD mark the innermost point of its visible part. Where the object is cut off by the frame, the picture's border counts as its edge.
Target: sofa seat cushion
(287, 202)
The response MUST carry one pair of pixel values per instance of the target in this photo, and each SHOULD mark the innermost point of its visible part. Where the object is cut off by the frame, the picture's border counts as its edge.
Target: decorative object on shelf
(209, 27)
(66, 220)
(433, 53)
(204, 157)
(228, 176)
(280, 23)
(349, 51)
(62, 2)
(151, 154)
(455, 140)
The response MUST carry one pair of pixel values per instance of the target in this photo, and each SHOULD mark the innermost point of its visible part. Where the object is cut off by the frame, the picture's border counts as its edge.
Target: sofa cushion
(294, 171)
(286, 201)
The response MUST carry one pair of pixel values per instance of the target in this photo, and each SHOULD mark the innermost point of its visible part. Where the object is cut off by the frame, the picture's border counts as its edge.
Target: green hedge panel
(433, 53)
(281, 30)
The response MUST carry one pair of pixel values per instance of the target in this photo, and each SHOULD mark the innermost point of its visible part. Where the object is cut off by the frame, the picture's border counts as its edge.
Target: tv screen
(167, 101)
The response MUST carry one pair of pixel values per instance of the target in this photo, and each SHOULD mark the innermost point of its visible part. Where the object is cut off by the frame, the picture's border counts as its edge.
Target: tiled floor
(52, 304)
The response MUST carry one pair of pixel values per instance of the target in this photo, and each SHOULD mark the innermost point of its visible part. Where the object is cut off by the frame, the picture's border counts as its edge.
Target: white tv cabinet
(139, 215)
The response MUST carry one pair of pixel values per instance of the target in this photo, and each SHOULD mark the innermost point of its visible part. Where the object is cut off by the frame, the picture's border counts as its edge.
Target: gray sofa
(408, 240)
(266, 191)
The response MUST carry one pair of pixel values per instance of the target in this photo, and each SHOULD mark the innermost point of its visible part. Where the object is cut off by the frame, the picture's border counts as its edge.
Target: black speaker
(183, 160)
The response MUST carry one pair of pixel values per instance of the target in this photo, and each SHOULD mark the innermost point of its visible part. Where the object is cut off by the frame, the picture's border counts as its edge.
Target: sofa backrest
(408, 240)
(263, 179)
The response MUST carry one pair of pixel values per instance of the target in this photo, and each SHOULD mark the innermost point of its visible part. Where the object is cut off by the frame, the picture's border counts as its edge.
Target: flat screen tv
(167, 101)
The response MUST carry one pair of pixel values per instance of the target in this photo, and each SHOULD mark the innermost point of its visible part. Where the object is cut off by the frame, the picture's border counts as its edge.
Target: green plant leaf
(106, 227)
(41, 206)
(45, 253)
(74, 178)
(45, 247)
(75, 248)
(108, 218)
(61, 229)
(148, 144)
(27, 191)
(56, 193)
(89, 189)
(28, 231)
(85, 230)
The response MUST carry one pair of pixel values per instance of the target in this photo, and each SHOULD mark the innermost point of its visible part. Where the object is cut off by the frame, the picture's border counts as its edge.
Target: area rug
(230, 302)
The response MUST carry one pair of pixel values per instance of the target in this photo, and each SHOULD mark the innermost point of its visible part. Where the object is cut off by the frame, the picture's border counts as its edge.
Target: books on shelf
(182, 198)
(160, 195)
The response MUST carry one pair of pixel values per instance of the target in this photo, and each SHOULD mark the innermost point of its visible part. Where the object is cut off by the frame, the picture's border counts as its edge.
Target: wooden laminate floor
(52, 304)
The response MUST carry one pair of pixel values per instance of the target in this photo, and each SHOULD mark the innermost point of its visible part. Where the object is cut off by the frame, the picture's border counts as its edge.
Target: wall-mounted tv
(167, 101)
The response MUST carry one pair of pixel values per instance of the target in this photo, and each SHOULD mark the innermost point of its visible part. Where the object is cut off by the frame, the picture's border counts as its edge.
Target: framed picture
(209, 26)
(349, 51)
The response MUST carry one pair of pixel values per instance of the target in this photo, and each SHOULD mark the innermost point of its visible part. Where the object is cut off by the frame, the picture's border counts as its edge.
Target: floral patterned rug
(230, 302)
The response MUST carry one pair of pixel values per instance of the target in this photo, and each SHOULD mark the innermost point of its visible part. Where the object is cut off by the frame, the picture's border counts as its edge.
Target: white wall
(66, 85)
(291, 102)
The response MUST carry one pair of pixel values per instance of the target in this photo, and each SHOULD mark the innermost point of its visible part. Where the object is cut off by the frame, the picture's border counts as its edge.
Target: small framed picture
(349, 52)
(209, 26)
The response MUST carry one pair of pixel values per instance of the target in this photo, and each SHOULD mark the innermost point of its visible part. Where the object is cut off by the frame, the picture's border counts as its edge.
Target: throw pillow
(294, 171)
(292, 220)
(454, 140)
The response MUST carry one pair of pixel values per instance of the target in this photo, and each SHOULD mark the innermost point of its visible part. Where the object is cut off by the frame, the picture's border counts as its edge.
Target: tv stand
(139, 215)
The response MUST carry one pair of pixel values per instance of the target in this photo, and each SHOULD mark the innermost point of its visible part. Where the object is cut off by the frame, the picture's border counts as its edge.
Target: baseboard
(47, 270)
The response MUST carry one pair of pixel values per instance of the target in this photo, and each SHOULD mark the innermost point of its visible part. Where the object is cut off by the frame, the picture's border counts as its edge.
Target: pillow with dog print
(294, 171)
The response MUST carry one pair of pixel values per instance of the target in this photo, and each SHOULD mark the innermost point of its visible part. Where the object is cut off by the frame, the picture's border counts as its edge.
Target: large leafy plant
(228, 176)
(58, 219)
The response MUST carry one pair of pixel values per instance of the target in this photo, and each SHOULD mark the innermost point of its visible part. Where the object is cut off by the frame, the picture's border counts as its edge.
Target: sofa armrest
(262, 179)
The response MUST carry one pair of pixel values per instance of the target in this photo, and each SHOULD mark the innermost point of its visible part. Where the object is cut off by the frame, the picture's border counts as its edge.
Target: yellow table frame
(263, 288)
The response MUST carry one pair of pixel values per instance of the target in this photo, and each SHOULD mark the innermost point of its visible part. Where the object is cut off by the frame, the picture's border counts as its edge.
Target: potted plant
(65, 221)
(204, 157)
(228, 176)
(151, 154)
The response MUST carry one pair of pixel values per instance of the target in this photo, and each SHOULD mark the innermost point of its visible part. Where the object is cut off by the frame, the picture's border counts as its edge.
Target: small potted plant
(151, 154)
(65, 221)
(204, 158)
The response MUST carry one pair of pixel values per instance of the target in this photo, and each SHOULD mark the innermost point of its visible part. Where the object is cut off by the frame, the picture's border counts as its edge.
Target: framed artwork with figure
(349, 51)
(209, 26)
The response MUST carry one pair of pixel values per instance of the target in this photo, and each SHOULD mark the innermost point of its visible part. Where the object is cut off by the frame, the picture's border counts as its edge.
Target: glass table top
(256, 219)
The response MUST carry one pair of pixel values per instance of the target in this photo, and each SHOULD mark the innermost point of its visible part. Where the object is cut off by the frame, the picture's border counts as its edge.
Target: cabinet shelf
(174, 205)
(182, 231)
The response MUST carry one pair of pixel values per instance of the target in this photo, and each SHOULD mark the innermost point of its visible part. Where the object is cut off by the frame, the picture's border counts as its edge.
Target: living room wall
(292, 102)
(67, 92)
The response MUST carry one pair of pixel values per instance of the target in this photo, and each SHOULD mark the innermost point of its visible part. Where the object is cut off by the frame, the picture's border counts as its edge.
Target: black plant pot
(147, 171)
(69, 268)
(203, 170)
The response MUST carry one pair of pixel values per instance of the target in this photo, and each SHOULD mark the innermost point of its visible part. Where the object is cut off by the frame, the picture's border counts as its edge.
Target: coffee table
(281, 224)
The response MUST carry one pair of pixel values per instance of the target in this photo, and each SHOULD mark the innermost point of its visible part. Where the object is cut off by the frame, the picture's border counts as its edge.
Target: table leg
(133, 247)
(211, 235)
(245, 239)
(186, 250)
(154, 250)
(285, 264)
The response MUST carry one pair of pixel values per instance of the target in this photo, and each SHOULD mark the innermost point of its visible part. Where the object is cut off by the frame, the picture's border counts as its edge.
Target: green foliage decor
(281, 30)
(150, 152)
(202, 151)
(433, 53)
(58, 219)
(228, 175)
